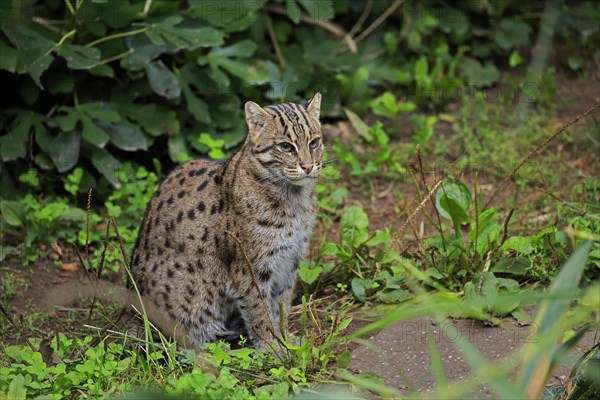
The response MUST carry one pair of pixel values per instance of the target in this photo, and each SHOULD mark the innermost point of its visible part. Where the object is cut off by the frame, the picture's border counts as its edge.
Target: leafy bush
(92, 83)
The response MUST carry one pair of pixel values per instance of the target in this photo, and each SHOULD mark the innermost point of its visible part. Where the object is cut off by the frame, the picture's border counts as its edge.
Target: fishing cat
(219, 246)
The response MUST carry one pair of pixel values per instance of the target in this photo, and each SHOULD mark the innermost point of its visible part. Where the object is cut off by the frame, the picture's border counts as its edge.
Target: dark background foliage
(94, 83)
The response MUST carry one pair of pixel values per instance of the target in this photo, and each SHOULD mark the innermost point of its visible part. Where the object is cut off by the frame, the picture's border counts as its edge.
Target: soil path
(400, 353)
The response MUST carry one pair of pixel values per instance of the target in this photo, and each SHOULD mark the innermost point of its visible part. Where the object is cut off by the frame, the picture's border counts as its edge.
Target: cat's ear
(314, 106)
(256, 116)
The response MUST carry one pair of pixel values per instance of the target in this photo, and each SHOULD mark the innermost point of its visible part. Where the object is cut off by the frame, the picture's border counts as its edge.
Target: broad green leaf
(64, 150)
(250, 72)
(101, 110)
(34, 48)
(293, 11)
(244, 48)
(144, 51)
(124, 137)
(188, 38)
(13, 144)
(162, 80)
(359, 287)
(195, 105)
(454, 190)
(155, 120)
(394, 296)
(355, 227)
(13, 212)
(380, 237)
(456, 211)
(215, 146)
(79, 57)
(17, 389)
(521, 244)
(10, 60)
(512, 33)
(107, 165)
(319, 9)
(92, 134)
(359, 125)
(475, 73)
(230, 15)
(515, 266)
(309, 275)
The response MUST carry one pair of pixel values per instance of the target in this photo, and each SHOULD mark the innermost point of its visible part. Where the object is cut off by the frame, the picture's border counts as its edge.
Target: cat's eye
(314, 144)
(286, 146)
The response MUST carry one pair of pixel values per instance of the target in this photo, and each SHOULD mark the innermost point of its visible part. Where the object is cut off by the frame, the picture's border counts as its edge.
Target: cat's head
(286, 140)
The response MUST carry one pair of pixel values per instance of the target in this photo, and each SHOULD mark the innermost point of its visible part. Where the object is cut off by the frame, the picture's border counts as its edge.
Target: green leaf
(512, 32)
(309, 275)
(92, 134)
(187, 38)
(196, 106)
(343, 360)
(13, 144)
(155, 120)
(124, 137)
(359, 287)
(537, 356)
(515, 59)
(514, 266)
(293, 11)
(453, 196)
(359, 125)
(33, 47)
(215, 146)
(13, 212)
(244, 48)
(319, 9)
(355, 227)
(17, 389)
(575, 63)
(162, 80)
(474, 73)
(10, 60)
(79, 57)
(64, 150)
(394, 296)
(521, 244)
(107, 165)
(230, 15)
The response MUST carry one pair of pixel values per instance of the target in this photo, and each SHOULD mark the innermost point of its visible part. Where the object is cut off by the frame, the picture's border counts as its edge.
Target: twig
(12, 322)
(505, 230)
(363, 16)
(275, 43)
(147, 6)
(414, 213)
(87, 226)
(437, 213)
(582, 201)
(379, 20)
(537, 150)
(475, 193)
(47, 24)
(336, 30)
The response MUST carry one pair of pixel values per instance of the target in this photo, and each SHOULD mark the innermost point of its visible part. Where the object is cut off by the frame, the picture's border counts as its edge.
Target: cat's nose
(307, 167)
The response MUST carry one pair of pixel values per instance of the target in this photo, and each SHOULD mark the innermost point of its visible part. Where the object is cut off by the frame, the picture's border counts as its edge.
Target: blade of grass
(537, 356)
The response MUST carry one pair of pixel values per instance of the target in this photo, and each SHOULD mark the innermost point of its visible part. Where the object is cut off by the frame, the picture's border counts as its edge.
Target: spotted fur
(215, 228)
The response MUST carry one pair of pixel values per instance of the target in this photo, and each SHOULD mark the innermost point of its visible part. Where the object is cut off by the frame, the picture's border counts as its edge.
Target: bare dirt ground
(400, 353)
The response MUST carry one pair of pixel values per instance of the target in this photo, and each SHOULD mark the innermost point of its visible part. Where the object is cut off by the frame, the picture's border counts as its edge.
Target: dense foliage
(94, 83)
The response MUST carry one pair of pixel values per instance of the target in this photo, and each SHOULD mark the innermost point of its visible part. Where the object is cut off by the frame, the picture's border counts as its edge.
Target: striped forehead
(291, 115)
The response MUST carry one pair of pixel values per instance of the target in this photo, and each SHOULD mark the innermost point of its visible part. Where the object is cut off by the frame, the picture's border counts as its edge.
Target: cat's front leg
(253, 304)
